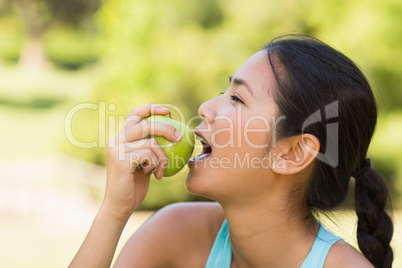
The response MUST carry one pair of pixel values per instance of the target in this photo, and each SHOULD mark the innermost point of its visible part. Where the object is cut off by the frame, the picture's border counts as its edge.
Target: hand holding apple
(179, 153)
(127, 185)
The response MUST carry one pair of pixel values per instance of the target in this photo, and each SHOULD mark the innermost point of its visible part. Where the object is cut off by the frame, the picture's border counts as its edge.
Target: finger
(156, 148)
(148, 128)
(154, 166)
(144, 158)
(148, 109)
(148, 168)
(160, 169)
(139, 113)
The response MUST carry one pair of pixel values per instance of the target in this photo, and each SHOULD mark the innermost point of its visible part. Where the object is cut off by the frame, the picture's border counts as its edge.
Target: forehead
(257, 72)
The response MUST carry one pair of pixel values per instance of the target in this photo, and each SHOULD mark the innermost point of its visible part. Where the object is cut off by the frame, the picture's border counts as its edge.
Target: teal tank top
(221, 252)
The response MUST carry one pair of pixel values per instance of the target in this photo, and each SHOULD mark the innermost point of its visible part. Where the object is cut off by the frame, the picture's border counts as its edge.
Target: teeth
(199, 157)
(201, 139)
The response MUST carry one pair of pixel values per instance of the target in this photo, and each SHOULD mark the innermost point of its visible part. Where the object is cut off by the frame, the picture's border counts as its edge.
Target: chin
(209, 183)
(202, 182)
(194, 183)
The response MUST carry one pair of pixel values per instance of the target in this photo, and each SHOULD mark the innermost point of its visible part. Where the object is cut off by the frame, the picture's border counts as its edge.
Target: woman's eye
(236, 99)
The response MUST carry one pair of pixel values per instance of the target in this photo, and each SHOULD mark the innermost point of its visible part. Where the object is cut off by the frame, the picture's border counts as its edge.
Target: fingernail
(177, 134)
(164, 108)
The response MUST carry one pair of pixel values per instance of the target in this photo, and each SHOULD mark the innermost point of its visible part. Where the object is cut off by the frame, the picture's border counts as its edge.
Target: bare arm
(100, 244)
(127, 185)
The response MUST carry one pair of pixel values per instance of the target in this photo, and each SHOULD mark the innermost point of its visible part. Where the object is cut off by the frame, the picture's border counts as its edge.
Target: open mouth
(206, 150)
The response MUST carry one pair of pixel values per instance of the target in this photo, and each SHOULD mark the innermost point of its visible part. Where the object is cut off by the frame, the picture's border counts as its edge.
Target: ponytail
(374, 227)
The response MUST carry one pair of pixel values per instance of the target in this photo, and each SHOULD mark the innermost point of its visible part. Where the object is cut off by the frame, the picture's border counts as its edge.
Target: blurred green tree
(38, 15)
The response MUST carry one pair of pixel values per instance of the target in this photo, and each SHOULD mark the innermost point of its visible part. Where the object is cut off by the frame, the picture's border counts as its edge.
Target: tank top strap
(321, 246)
(221, 252)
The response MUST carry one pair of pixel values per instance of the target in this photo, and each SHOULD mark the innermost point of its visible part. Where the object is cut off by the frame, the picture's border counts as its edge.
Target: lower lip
(198, 159)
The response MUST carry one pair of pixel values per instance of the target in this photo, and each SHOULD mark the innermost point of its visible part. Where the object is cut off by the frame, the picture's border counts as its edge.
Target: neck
(268, 234)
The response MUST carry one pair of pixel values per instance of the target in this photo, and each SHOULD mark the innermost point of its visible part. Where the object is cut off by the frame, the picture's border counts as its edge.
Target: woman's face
(239, 127)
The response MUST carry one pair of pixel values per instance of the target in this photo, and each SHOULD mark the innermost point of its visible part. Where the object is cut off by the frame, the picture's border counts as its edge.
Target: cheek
(235, 131)
(225, 132)
(257, 132)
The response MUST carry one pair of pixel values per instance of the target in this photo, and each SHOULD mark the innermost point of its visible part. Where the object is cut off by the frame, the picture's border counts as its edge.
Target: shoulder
(191, 212)
(175, 229)
(342, 254)
(180, 219)
(200, 220)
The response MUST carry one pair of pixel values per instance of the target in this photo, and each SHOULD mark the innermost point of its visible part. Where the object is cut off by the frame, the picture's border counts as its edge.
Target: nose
(207, 110)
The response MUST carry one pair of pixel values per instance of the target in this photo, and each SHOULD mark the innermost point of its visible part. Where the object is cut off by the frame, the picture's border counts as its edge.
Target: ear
(292, 155)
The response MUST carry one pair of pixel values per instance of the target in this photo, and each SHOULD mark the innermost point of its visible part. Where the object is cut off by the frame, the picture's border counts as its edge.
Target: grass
(33, 107)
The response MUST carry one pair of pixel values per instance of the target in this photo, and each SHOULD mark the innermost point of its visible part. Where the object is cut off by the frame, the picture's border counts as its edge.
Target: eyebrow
(241, 82)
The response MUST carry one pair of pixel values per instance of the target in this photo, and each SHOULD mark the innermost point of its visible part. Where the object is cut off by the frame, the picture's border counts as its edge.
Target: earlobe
(294, 154)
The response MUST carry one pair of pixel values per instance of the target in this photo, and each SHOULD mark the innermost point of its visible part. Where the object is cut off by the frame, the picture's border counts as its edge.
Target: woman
(300, 106)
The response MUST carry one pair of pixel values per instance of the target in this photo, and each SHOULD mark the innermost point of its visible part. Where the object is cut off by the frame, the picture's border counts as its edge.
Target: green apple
(177, 153)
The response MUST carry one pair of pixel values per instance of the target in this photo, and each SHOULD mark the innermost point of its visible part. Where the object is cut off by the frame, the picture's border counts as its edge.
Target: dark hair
(320, 84)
